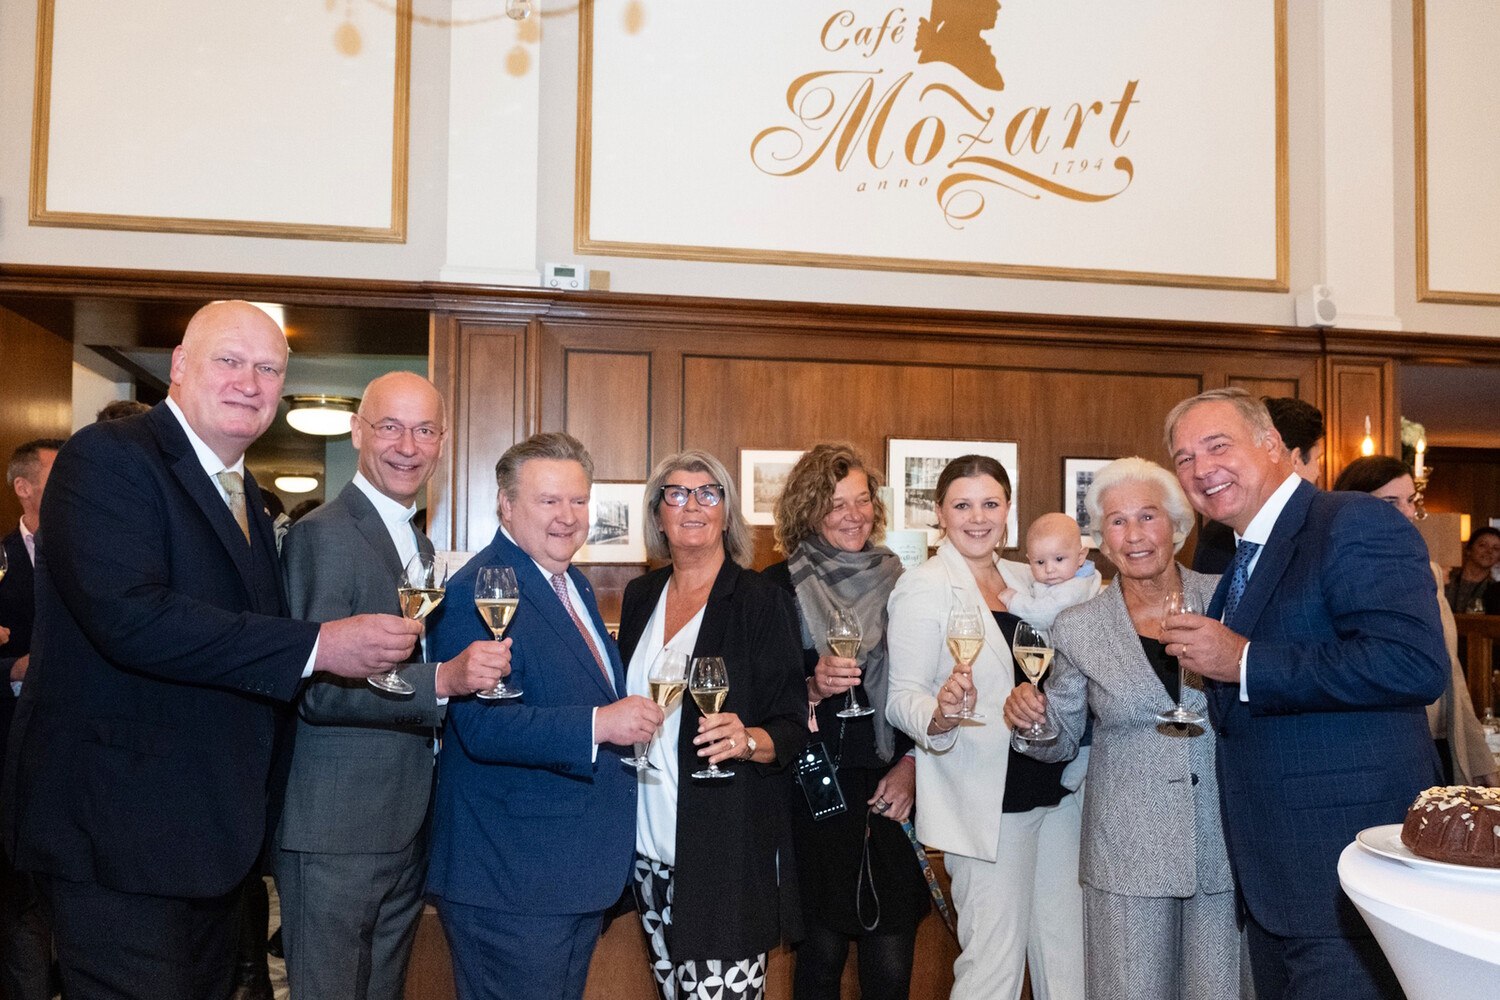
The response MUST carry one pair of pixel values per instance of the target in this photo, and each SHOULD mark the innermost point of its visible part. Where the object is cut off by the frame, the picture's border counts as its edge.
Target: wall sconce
(296, 484)
(319, 414)
(1367, 446)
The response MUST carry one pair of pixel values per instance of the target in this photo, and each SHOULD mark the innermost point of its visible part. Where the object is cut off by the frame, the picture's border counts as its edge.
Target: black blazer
(733, 837)
(17, 608)
(160, 661)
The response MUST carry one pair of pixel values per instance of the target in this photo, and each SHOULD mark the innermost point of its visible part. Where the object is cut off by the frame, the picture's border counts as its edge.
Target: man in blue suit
(534, 828)
(1329, 650)
(161, 663)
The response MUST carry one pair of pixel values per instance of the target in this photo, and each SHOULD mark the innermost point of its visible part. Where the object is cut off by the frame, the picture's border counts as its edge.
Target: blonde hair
(808, 495)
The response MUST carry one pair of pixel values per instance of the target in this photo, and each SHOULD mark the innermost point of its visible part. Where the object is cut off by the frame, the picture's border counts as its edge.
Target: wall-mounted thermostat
(568, 277)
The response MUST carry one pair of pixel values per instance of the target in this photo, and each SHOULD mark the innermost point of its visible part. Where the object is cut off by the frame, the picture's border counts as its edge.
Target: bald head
(398, 434)
(227, 375)
(1054, 548)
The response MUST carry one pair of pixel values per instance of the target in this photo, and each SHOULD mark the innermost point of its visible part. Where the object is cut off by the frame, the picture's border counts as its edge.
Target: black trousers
(124, 946)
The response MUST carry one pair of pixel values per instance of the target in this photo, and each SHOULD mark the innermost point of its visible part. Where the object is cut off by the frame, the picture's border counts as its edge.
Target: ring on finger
(731, 743)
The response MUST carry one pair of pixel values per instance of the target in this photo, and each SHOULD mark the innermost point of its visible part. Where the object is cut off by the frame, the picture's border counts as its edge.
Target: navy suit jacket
(526, 820)
(1346, 651)
(161, 663)
(17, 608)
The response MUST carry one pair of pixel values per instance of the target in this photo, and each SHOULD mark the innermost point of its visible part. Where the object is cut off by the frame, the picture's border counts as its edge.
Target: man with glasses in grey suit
(351, 855)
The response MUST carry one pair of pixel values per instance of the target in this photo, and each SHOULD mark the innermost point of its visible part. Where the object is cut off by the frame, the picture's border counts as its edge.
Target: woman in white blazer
(1008, 828)
(1158, 899)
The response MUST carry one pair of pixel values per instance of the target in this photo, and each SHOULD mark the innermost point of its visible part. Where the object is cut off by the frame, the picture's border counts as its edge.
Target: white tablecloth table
(1440, 931)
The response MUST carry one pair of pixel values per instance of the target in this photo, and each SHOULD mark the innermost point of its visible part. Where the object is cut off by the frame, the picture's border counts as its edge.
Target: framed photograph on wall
(1078, 474)
(763, 473)
(912, 469)
(616, 513)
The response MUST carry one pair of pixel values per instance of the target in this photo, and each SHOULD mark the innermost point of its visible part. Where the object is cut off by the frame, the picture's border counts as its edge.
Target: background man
(535, 815)
(25, 937)
(351, 854)
(1329, 651)
(1301, 428)
(160, 652)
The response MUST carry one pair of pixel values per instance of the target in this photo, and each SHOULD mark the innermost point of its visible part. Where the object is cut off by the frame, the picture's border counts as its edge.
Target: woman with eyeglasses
(714, 871)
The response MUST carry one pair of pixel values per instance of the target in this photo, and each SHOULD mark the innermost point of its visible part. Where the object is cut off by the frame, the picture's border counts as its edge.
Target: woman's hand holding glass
(1026, 707)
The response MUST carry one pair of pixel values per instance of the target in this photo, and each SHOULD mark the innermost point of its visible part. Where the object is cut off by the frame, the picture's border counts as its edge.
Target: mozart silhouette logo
(953, 35)
(913, 108)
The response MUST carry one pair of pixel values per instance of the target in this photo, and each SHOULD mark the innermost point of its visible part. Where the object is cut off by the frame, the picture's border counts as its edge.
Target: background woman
(1455, 728)
(1006, 824)
(1472, 587)
(713, 875)
(853, 887)
(1158, 900)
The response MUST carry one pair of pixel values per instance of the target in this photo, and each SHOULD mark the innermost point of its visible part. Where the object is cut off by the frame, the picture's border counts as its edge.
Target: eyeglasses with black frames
(709, 494)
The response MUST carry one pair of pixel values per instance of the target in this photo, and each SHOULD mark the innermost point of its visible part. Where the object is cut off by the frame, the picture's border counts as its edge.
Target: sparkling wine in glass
(667, 680)
(965, 640)
(844, 638)
(709, 685)
(1033, 652)
(495, 598)
(420, 591)
(1179, 603)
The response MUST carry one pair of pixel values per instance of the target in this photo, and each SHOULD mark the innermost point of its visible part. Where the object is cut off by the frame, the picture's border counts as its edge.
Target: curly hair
(808, 495)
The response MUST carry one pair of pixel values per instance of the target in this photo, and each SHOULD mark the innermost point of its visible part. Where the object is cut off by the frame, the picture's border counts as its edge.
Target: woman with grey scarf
(859, 876)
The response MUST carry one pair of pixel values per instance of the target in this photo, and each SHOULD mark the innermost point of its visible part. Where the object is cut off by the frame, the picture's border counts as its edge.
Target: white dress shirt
(1259, 531)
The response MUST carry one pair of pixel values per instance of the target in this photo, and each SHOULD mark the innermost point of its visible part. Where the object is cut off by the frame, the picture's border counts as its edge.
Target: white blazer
(961, 773)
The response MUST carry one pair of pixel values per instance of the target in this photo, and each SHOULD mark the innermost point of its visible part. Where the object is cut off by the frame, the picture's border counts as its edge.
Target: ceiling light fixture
(320, 414)
(296, 484)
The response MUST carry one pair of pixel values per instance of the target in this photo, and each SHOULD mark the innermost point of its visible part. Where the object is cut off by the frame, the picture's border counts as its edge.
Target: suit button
(1195, 779)
(429, 743)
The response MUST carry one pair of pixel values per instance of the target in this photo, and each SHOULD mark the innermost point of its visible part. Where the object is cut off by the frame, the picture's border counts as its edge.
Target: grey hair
(549, 444)
(1251, 408)
(738, 545)
(1140, 470)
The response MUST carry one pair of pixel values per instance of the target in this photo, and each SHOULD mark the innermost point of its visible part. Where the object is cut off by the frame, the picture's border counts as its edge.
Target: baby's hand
(1007, 595)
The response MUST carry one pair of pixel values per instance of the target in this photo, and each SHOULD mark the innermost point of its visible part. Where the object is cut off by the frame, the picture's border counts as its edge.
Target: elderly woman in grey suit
(1007, 824)
(1158, 900)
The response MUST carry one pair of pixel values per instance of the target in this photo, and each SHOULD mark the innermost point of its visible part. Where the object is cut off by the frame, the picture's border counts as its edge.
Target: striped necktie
(560, 585)
(234, 487)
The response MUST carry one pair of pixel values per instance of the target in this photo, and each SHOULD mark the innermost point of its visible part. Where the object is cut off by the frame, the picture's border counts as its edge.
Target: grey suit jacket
(362, 764)
(1148, 828)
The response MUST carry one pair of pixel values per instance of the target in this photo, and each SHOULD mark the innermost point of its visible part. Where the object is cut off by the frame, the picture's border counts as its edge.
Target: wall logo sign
(1034, 138)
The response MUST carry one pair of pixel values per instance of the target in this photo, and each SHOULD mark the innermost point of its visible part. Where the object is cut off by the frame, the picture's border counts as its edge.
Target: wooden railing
(1478, 635)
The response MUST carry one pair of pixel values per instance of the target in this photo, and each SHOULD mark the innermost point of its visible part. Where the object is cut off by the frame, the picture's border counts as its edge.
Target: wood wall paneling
(1359, 387)
(36, 394)
(608, 408)
(480, 366)
(1465, 481)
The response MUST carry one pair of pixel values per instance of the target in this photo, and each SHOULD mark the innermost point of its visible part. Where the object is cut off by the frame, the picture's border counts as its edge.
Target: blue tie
(1239, 575)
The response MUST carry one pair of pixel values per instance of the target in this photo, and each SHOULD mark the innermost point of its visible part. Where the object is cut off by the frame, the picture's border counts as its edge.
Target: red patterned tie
(560, 585)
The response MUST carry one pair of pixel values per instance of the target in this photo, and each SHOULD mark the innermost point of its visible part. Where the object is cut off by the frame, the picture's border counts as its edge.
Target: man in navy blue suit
(162, 662)
(534, 828)
(1329, 650)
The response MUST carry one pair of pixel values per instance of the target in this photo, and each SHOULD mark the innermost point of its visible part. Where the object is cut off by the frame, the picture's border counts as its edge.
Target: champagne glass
(709, 684)
(965, 640)
(1033, 652)
(844, 637)
(495, 597)
(1179, 603)
(667, 679)
(423, 582)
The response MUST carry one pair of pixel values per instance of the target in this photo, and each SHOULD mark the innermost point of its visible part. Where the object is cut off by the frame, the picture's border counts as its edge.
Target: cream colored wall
(492, 174)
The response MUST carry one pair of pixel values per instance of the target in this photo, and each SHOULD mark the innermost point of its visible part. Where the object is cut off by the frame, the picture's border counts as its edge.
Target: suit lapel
(1145, 687)
(716, 611)
(608, 650)
(1273, 561)
(370, 527)
(633, 629)
(198, 485)
(538, 595)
